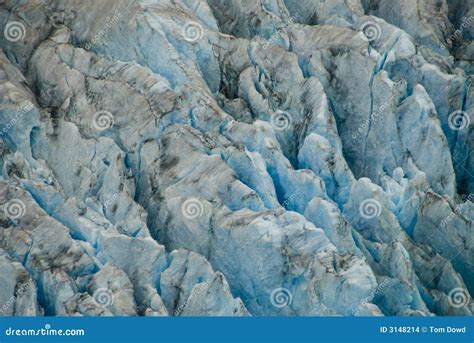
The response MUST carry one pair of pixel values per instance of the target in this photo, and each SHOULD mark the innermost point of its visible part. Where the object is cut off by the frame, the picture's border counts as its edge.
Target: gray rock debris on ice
(278, 157)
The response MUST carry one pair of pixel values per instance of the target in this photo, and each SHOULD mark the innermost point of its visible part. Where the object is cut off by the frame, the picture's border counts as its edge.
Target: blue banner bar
(209, 330)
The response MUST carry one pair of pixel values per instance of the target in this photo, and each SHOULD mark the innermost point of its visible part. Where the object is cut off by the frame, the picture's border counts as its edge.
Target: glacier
(236, 158)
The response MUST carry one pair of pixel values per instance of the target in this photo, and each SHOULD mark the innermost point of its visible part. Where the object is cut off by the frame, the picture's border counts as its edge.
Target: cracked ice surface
(199, 157)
